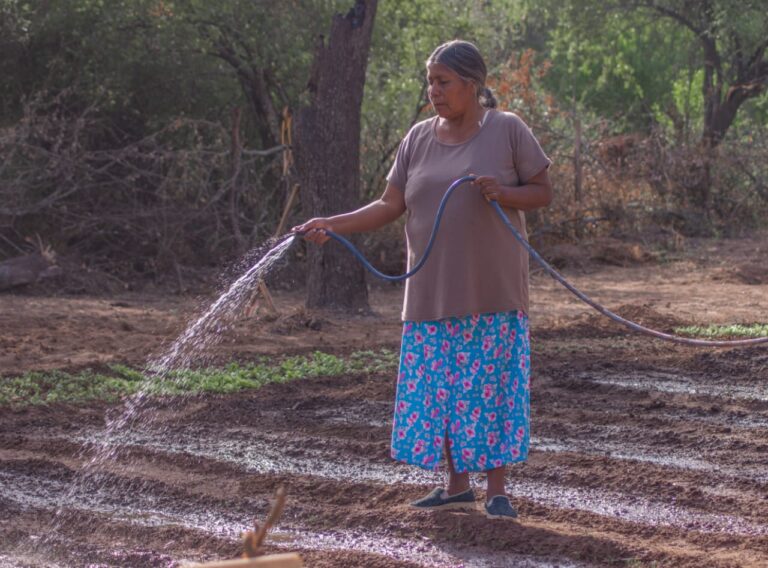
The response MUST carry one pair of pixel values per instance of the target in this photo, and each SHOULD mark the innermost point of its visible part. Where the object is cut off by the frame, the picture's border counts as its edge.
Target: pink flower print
(493, 439)
(515, 452)
(520, 434)
(462, 406)
(487, 342)
(490, 319)
(476, 366)
(511, 403)
(455, 427)
(421, 370)
(408, 327)
(431, 329)
(487, 392)
(445, 422)
(428, 351)
(452, 378)
(426, 424)
(411, 386)
(513, 335)
(523, 362)
(428, 459)
(445, 347)
(475, 416)
(482, 460)
(507, 427)
(470, 432)
(418, 447)
(435, 413)
(401, 434)
(418, 337)
(515, 384)
(427, 400)
(490, 368)
(475, 319)
(467, 384)
(462, 358)
(413, 418)
(442, 395)
(428, 378)
(507, 355)
(409, 359)
(467, 336)
(497, 463)
(491, 417)
(504, 329)
(499, 399)
(401, 377)
(436, 364)
(504, 378)
(437, 441)
(520, 316)
(498, 351)
(449, 326)
(402, 406)
(467, 454)
(503, 448)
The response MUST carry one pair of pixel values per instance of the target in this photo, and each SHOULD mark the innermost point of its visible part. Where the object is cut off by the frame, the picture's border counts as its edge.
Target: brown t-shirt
(476, 265)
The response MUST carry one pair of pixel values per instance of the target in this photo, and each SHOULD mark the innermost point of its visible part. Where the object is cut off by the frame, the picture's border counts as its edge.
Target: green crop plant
(47, 387)
(732, 330)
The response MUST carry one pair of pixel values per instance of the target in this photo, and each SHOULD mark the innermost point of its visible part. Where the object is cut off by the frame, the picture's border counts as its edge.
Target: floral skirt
(465, 380)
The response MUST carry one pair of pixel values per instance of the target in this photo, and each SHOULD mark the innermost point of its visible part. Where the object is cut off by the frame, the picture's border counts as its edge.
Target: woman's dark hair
(465, 59)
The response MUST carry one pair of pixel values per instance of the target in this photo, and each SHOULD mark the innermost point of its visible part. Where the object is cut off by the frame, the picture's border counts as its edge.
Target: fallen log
(27, 269)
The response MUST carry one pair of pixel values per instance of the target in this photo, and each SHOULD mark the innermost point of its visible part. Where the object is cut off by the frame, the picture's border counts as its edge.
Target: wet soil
(644, 453)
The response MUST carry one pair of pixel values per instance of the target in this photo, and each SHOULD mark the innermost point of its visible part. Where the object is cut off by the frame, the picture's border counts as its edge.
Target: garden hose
(549, 269)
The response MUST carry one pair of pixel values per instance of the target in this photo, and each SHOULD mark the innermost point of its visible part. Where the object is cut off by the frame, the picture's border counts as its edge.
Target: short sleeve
(527, 153)
(398, 174)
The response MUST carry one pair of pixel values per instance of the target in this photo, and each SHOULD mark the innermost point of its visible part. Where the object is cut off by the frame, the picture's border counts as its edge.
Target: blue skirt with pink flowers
(464, 380)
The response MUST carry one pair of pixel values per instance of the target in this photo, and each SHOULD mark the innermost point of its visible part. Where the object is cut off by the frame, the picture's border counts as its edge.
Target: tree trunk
(327, 153)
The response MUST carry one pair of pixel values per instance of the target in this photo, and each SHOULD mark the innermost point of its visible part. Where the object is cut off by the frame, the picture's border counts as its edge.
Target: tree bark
(327, 153)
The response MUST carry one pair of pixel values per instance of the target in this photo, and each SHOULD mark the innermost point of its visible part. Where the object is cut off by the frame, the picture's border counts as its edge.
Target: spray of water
(198, 338)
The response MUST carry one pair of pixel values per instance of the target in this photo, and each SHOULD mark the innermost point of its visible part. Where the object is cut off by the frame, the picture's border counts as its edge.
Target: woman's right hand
(314, 230)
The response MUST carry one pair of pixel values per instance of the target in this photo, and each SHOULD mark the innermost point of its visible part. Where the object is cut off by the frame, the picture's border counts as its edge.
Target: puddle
(363, 414)
(24, 561)
(265, 453)
(673, 383)
(625, 450)
(747, 422)
(140, 508)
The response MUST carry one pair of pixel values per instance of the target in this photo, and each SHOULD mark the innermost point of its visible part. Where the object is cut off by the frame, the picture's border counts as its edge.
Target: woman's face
(450, 95)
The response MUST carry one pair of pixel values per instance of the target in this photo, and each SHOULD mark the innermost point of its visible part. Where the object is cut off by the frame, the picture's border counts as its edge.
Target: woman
(463, 383)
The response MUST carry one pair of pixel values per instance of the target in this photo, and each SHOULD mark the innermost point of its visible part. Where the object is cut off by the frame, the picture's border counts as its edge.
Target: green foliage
(110, 74)
(621, 49)
(618, 64)
(59, 386)
(718, 331)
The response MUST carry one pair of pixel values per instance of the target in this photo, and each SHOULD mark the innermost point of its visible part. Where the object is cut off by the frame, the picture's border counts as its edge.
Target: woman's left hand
(490, 187)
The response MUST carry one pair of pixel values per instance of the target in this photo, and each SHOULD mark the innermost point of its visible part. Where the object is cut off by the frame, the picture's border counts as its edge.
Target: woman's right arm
(369, 218)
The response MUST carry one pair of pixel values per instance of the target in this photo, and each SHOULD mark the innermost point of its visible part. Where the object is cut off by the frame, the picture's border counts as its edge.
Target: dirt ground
(644, 453)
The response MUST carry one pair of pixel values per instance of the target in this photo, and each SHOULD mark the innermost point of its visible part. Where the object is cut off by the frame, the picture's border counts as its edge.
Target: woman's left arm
(537, 192)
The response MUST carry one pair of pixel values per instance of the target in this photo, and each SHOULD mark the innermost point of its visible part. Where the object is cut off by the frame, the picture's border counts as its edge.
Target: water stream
(203, 333)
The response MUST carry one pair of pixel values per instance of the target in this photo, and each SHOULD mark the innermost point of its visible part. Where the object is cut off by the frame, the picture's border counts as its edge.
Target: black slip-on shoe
(500, 508)
(439, 499)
